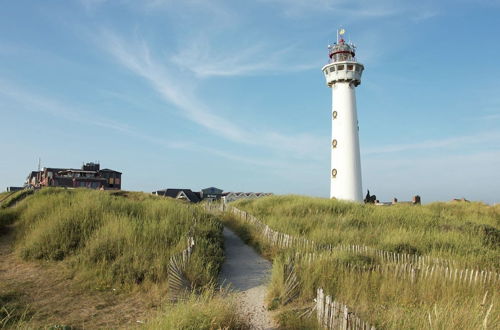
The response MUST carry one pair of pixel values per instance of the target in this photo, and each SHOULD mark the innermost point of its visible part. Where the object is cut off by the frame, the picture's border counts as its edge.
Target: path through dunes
(246, 272)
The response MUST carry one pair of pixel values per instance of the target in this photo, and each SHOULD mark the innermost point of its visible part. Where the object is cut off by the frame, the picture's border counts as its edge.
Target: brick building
(89, 176)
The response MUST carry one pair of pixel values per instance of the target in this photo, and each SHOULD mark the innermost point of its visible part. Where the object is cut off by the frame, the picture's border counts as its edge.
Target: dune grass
(13, 313)
(115, 237)
(11, 198)
(108, 240)
(468, 233)
(465, 233)
(4, 194)
(388, 301)
(209, 310)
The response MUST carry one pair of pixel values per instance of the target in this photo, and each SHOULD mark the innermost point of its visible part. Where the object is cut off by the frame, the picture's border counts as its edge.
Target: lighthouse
(343, 75)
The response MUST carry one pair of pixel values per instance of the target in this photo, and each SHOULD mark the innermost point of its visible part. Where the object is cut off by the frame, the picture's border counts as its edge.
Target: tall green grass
(10, 199)
(118, 238)
(207, 311)
(389, 301)
(468, 233)
(4, 194)
(464, 233)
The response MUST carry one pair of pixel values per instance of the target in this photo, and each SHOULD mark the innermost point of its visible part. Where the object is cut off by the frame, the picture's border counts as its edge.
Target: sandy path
(246, 272)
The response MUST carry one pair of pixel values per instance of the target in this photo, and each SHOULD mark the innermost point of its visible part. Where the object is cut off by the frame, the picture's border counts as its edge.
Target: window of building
(339, 67)
(332, 68)
(358, 68)
(325, 71)
(334, 114)
(350, 67)
(334, 173)
(334, 143)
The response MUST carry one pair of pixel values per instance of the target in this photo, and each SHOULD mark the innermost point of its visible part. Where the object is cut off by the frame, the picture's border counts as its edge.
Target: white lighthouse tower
(343, 74)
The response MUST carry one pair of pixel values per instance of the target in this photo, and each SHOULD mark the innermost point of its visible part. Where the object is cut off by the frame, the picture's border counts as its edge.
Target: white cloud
(199, 57)
(360, 9)
(450, 142)
(91, 5)
(493, 116)
(33, 102)
(179, 91)
(473, 175)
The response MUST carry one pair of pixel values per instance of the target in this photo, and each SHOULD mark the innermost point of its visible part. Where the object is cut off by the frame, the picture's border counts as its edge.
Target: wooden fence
(332, 314)
(400, 264)
(177, 281)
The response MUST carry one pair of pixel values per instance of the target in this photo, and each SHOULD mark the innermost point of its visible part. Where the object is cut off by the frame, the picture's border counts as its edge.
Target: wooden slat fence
(414, 273)
(177, 282)
(403, 265)
(332, 314)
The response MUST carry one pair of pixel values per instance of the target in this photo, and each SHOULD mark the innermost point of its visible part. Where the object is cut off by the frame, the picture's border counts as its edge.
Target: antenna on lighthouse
(340, 32)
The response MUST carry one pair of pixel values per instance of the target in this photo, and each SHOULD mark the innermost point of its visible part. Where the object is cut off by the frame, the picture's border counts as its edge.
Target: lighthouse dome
(342, 51)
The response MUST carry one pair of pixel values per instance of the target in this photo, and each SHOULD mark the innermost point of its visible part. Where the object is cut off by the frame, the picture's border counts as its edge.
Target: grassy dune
(465, 233)
(8, 199)
(110, 239)
(468, 233)
(106, 240)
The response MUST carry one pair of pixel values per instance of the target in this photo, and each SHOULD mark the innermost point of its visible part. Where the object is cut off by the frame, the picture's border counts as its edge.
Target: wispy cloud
(30, 100)
(439, 176)
(180, 92)
(360, 9)
(211, 10)
(137, 58)
(459, 141)
(199, 57)
(493, 116)
(91, 5)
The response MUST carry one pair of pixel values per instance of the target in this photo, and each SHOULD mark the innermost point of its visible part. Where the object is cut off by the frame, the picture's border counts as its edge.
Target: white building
(343, 75)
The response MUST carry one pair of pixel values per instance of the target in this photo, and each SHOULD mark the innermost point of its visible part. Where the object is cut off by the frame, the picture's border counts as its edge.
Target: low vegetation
(11, 198)
(111, 239)
(118, 242)
(13, 312)
(467, 234)
(209, 310)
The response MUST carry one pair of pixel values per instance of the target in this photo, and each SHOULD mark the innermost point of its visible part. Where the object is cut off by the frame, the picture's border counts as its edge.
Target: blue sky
(230, 94)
